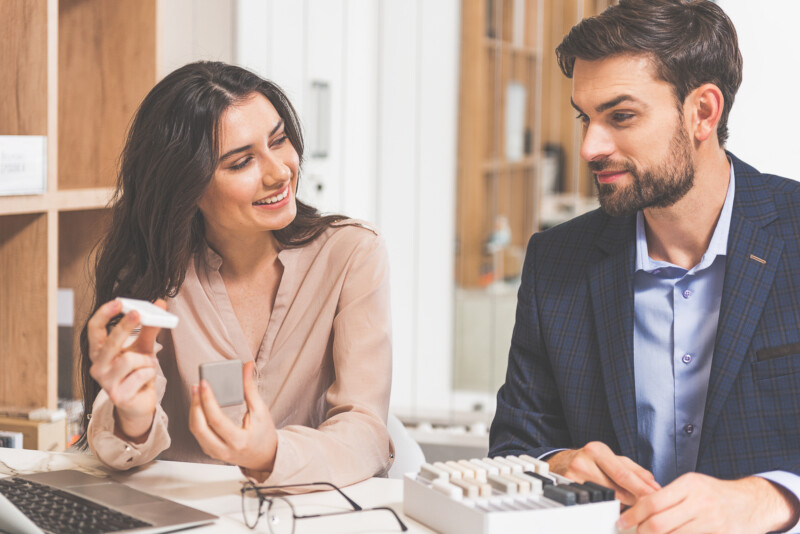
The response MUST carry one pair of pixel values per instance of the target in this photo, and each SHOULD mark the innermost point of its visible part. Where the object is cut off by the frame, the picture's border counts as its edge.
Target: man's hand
(700, 503)
(597, 463)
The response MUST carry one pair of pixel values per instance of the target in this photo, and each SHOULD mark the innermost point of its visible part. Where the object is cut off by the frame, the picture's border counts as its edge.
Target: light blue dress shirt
(676, 312)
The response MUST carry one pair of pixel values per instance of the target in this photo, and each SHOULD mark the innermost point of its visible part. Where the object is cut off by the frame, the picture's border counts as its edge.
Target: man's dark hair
(690, 42)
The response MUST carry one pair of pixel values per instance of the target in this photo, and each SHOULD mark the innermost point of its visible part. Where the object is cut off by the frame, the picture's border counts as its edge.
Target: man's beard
(658, 187)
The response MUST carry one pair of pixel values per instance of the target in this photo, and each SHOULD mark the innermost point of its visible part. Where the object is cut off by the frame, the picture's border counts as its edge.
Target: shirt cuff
(548, 454)
(116, 452)
(791, 483)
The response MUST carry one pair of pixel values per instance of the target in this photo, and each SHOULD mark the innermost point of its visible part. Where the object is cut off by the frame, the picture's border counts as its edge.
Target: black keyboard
(57, 511)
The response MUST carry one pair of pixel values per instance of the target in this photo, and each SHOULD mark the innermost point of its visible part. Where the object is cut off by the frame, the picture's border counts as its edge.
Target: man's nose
(597, 143)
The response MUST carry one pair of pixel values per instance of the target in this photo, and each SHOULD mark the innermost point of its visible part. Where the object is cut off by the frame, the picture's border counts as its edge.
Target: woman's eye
(241, 164)
(279, 141)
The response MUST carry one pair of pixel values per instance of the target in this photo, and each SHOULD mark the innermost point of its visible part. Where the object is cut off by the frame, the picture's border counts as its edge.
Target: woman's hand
(126, 373)
(253, 446)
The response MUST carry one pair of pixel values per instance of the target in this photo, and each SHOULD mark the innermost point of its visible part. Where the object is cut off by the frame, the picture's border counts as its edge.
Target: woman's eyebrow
(248, 147)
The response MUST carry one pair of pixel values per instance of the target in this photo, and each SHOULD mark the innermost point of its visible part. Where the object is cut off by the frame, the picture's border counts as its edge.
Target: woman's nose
(275, 169)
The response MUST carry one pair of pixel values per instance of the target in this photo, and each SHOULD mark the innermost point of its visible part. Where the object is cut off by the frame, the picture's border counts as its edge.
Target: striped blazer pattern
(570, 373)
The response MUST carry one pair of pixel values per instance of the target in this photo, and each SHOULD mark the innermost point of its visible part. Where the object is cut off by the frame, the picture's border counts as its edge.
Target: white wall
(419, 50)
(189, 30)
(764, 120)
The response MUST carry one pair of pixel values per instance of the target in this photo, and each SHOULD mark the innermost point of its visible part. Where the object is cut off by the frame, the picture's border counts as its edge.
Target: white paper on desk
(23, 164)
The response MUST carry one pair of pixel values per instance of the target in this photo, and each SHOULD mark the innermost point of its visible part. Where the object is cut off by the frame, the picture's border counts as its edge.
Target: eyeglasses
(280, 513)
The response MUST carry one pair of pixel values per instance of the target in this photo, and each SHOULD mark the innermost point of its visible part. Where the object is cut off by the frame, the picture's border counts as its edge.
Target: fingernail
(622, 524)
(204, 385)
(194, 389)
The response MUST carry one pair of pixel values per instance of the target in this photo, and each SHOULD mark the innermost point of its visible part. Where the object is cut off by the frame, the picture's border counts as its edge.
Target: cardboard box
(38, 435)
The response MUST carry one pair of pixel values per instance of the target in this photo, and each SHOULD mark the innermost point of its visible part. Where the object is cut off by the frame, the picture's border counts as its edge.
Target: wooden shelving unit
(498, 50)
(74, 71)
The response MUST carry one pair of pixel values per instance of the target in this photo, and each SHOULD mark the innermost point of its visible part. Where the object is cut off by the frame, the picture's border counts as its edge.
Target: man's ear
(704, 108)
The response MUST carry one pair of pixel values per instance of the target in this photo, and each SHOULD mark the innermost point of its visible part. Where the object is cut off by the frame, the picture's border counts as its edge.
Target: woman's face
(253, 188)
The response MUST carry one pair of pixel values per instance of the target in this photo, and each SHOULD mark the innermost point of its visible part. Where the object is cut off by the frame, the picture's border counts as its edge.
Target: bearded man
(656, 348)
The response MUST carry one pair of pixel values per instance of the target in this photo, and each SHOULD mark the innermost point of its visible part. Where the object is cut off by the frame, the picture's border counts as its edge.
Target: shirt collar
(717, 247)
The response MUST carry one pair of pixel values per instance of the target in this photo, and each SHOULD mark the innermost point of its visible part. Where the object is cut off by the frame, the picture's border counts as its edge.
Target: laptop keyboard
(54, 510)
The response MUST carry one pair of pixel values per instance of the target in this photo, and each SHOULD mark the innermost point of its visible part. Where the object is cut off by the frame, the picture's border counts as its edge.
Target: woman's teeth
(274, 199)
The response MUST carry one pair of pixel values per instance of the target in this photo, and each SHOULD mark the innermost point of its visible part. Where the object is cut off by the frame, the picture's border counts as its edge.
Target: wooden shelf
(74, 71)
(499, 165)
(509, 47)
(490, 188)
(69, 200)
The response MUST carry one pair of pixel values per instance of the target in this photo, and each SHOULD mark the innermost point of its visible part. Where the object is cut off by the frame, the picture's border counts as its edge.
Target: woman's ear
(705, 106)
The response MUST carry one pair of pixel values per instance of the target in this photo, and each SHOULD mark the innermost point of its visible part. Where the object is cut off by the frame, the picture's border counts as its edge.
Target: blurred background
(445, 123)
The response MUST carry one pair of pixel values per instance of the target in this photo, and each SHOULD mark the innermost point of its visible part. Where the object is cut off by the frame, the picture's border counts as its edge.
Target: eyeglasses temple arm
(403, 526)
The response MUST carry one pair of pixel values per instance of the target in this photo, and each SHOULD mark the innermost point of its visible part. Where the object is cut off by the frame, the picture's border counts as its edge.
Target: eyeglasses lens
(251, 508)
(280, 516)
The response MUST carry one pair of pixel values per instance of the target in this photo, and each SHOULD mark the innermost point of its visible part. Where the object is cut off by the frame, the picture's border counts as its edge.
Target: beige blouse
(324, 366)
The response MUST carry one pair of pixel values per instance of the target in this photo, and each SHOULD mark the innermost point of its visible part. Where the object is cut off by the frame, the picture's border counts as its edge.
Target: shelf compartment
(24, 310)
(79, 233)
(106, 65)
(23, 67)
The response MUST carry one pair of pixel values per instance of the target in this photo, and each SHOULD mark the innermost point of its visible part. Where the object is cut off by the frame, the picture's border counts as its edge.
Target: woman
(206, 217)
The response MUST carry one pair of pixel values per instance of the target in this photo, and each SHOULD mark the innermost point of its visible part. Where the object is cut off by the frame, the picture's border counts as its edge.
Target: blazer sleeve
(529, 418)
(352, 444)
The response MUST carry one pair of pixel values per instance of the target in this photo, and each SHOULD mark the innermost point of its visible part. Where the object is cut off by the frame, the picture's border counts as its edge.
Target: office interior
(445, 123)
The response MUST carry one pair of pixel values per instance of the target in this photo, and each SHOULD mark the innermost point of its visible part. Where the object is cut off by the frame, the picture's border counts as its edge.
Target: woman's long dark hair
(168, 161)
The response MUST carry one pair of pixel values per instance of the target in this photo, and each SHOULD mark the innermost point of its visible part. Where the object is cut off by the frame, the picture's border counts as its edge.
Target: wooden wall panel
(23, 311)
(471, 143)
(107, 64)
(23, 67)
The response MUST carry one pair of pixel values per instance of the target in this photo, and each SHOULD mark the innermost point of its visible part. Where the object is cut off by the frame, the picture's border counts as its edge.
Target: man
(657, 342)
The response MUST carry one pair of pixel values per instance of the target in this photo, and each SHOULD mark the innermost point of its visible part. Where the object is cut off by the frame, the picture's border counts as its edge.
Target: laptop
(72, 501)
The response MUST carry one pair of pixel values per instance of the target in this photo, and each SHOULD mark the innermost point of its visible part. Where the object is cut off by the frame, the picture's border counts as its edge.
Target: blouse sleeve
(114, 451)
(352, 444)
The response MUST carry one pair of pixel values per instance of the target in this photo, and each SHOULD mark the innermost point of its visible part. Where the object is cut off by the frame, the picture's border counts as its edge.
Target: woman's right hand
(127, 372)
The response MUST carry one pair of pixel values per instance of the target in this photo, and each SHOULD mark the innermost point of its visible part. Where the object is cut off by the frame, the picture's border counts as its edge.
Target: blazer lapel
(611, 288)
(752, 260)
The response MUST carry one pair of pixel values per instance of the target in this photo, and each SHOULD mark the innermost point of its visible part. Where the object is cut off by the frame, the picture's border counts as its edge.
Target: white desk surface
(215, 489)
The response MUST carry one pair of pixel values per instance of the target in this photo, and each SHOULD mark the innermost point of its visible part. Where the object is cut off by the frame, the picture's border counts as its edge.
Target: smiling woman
(206, 223)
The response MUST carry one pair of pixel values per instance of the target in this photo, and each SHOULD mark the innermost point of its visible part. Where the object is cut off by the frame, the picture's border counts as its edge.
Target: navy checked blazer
(570, 368)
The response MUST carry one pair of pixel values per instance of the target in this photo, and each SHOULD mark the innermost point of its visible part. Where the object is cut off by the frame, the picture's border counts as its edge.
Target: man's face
(634, 137)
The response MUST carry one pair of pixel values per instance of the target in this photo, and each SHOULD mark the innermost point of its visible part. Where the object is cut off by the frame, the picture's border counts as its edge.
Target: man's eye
(241, 164)
(622, 117)
(582, 117)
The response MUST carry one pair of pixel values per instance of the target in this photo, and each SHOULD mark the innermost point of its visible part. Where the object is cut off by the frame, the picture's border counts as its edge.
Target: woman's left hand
(253, 446)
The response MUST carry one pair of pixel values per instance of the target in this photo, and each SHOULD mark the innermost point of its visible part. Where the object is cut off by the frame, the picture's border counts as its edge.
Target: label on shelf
(23, 164)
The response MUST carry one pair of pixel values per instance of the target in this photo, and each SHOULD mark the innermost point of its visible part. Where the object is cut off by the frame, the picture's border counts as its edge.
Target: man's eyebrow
(248, 147)
(610, 104)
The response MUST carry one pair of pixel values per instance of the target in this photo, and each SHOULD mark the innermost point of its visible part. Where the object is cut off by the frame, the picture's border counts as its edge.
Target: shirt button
(688, 429)
(687, 358)
(687, 293)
